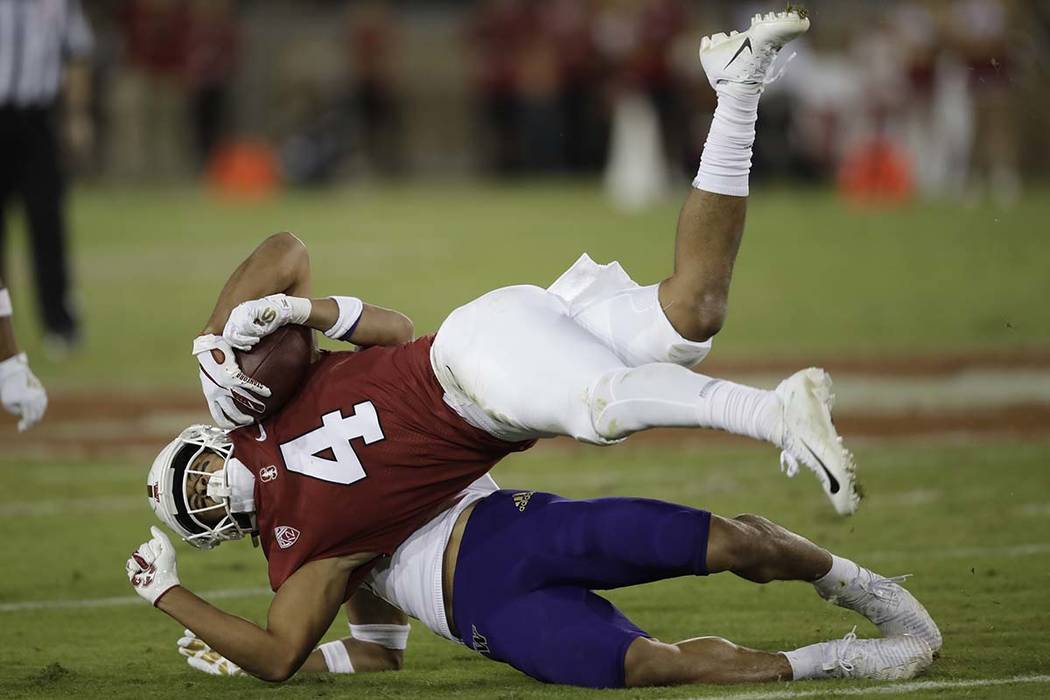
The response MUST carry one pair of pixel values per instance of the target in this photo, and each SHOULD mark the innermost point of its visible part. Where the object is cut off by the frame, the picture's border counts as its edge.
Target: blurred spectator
(937, 110)
(569, 25)
(210, 63)
(917, 45)
(374, 102)
(638, 40)
(539, 104)
(496, 34)
(52, 46)
(932, 80)
(981, 30)
(661, 24)
(149, 99)
(649, 137)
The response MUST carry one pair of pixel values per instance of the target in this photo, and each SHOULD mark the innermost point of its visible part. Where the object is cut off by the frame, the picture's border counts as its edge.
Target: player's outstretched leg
(615, 542)
(796, 417)
(761, 551)
(715, 660)
(528, 563)
(609, 543)
(712, 221)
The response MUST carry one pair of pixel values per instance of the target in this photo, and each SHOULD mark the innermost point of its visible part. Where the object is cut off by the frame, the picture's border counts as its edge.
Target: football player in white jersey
(496, 572)
(598, 357)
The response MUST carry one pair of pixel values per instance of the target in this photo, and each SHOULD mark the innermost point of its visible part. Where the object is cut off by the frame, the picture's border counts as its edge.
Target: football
(279, 361)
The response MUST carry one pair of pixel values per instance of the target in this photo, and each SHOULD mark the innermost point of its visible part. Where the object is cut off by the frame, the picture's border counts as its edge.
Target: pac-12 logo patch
(286, 536)
(268, 473)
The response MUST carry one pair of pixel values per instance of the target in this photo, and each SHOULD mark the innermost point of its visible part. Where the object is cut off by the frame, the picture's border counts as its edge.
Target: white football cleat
(894, 610)
(889, 659)
(810, 437)
(747, 57)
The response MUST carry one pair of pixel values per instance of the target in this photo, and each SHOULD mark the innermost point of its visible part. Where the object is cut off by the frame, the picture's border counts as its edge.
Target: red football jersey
(360, 458)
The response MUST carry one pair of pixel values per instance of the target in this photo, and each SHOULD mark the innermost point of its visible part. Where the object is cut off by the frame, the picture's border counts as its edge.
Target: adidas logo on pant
(521, 500)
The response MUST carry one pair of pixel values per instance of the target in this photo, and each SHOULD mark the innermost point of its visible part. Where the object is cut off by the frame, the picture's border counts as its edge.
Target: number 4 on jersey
(302, 454)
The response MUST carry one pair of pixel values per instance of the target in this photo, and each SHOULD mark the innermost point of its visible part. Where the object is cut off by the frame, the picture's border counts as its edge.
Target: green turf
(814, 279)
(946, 512)
(813, 275)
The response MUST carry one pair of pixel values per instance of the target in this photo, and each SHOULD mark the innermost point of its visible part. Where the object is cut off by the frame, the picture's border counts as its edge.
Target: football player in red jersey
(595, 356)
(378, 442)
(511, 574)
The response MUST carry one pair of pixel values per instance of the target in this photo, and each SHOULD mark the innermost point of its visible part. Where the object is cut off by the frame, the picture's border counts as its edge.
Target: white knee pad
(632, 323)
(601, 399)
(657, 395)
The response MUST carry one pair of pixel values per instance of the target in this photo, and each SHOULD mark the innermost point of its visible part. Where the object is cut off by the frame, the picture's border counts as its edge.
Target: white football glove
(251, 321)
(151, 568)
(222, 379)
(21, 392)
(205, 659)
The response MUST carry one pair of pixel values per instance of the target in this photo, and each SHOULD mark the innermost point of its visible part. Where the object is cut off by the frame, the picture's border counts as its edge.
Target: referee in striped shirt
(44, 46)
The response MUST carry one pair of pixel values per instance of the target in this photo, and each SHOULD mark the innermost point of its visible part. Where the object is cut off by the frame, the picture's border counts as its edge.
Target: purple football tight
(528, 564)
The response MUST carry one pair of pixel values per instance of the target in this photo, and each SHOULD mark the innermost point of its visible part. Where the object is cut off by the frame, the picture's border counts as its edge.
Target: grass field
(966, 511)
(813, 278)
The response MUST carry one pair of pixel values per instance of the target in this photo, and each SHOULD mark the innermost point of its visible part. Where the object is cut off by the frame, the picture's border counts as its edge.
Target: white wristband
(5, 304)
(394, 637)
(350, 309)
(336, 657)
(299, 310)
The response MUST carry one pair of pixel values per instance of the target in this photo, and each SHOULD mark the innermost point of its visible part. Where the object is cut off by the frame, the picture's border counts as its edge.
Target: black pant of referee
(31, 171)
(44, 50)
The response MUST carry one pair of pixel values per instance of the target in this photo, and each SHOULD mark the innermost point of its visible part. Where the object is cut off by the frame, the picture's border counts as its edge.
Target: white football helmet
(166, 489)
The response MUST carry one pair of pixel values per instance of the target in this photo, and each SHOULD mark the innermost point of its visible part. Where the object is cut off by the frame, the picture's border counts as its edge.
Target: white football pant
(524, 362)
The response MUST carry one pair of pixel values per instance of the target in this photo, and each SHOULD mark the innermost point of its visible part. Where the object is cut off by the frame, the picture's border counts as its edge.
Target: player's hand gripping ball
(253, 320)
(205, 659)
(280, 362)
(151, 568)
(234, 398)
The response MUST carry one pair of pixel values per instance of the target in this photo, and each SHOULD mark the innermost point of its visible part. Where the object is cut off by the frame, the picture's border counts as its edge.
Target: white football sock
(668, 396)
(725, 165)
(807, 663)
(842, 573)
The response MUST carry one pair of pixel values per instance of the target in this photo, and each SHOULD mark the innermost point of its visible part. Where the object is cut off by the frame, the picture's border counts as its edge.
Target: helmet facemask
(173, 470)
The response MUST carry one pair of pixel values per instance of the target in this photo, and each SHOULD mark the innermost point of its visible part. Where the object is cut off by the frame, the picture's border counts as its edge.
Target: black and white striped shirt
(36, 39)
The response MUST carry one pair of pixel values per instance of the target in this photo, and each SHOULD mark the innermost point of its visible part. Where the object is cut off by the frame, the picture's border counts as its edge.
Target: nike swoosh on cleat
(745, 45)
(833, 483)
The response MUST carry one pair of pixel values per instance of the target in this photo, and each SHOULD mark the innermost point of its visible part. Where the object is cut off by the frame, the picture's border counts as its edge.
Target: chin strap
(246, 521)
